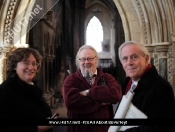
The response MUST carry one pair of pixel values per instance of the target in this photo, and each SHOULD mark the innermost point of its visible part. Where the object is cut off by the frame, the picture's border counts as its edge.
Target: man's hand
(45, 128)
(85, 92)
(105, 103)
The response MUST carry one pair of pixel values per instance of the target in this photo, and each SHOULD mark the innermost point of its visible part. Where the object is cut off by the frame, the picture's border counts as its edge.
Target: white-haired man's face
(87, 62)
(133, 61)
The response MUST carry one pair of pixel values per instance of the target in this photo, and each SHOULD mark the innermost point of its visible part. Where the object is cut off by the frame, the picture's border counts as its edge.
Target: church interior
(57, 28)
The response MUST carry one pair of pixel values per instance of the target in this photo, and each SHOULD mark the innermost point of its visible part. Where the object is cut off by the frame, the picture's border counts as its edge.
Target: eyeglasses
(88, 59)
(27, 63)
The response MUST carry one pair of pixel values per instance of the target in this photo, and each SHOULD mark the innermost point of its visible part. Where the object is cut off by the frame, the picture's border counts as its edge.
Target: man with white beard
(89, 93)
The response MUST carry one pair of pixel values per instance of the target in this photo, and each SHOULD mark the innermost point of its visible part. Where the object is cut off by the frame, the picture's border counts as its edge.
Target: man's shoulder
(74, 75)
(163, 82)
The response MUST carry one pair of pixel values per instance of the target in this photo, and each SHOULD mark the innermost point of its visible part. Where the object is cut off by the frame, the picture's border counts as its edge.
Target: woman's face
(26, 70)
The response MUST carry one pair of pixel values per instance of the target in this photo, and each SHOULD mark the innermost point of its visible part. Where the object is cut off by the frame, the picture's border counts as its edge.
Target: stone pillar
(2, 67)
(160, 55)
(171, 62)
(4, 49)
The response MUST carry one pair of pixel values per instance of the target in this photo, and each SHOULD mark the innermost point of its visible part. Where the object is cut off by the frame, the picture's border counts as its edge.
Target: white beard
(87, 73)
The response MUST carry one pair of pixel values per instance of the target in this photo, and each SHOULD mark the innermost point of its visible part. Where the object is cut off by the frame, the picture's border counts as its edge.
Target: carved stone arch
(109, 25)
(12, 11)
(170, 18)
(90, 17)
(125, 22)
(144, 21)
(90, 9)
(106, 19)
(99, 5)
(151, 23)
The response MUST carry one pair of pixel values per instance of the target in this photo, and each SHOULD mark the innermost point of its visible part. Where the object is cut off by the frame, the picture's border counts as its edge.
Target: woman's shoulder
(6, 83)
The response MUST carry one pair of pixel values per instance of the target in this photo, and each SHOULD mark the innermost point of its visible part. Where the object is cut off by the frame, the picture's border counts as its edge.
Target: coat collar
(149, 76)
(29, 91)
(146, 79)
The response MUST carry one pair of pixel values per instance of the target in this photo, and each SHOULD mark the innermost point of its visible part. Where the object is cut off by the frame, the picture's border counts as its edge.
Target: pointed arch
(94, 33)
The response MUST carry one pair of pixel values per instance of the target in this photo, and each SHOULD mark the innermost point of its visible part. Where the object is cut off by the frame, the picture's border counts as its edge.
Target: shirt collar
(135, 82)
(95, 73)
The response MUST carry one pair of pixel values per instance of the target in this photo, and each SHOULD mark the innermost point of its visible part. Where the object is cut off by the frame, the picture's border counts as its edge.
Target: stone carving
(170, 67)
(173, 37)
(156, 61)
(8, 20)
(163, 67)
(142, 20)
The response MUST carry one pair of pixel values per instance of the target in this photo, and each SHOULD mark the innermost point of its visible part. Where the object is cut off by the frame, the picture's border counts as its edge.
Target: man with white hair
(153, 94)
(89, 93)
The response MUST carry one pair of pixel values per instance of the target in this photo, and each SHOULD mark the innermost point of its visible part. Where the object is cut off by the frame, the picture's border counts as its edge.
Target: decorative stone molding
(142, 12)
(6, 45)
(8, 20)
(3, 54)
(173, 37)
(156, 61)
(161, 50)
(121, 9)
(2, 68)
(170, 66)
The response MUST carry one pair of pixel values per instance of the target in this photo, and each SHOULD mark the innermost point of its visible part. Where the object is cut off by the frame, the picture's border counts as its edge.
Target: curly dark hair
(21, 54)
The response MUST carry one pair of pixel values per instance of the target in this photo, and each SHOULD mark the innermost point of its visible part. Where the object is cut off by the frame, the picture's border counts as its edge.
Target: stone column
(160, 55)
(2, 67)
(171, 62)
(4, 49)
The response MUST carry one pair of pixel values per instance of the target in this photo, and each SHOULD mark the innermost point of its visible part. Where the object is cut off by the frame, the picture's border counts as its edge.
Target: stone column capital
(161, 47)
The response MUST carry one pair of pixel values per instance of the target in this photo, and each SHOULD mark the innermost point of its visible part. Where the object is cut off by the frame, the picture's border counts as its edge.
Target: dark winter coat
(89, 107)
(154, 97)
(21, 101)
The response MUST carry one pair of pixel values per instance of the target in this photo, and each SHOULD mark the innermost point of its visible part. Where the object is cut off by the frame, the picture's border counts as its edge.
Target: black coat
(21, 101)
(153, 96)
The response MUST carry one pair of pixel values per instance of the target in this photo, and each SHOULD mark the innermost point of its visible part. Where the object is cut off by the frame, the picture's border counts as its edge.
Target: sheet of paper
(122, 109)
(133, 112)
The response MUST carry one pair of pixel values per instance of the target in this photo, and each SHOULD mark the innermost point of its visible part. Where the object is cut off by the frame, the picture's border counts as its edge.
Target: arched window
(94, 34)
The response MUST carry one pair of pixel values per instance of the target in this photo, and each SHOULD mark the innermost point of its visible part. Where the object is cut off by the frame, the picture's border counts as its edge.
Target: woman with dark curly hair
(20, 97)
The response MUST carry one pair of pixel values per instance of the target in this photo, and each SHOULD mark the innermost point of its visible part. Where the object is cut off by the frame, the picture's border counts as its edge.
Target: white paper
(133, 112)
(126, 110)
(122, 109)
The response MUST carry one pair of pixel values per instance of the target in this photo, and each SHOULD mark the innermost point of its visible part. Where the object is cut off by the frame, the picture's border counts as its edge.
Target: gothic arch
(152, 23)
(105, 13)
(89, 15)
(155, 19)
(11, 13)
